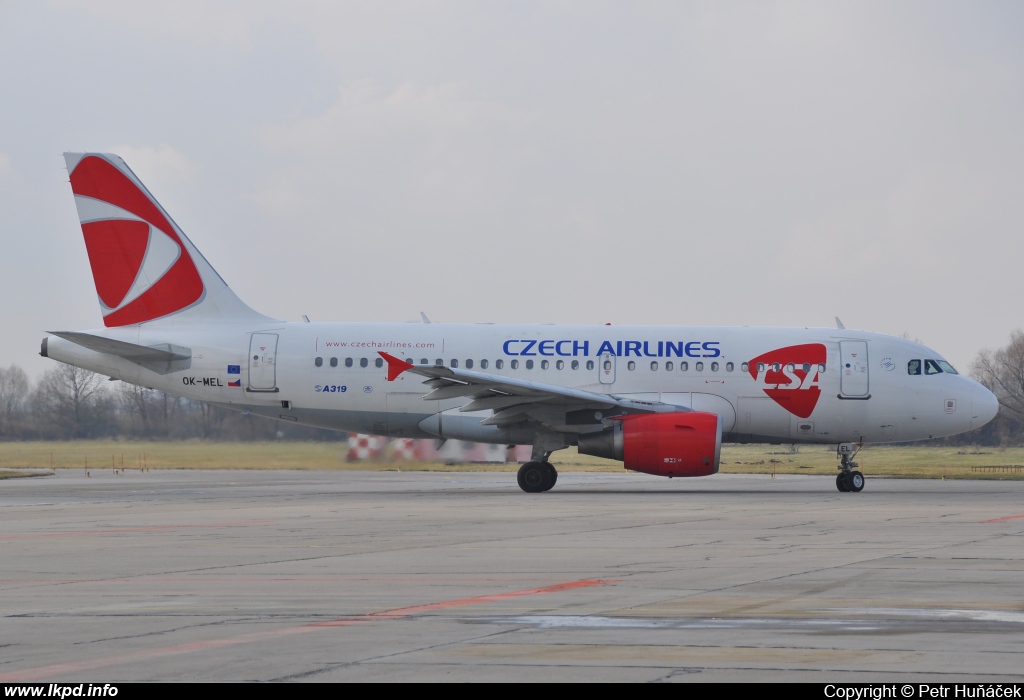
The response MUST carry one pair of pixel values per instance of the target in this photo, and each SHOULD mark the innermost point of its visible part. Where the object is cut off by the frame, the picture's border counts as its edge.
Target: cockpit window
(946, 367)
(914, 367)
(932, 367)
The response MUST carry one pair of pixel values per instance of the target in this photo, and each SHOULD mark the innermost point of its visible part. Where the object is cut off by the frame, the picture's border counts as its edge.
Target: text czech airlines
(619, 348)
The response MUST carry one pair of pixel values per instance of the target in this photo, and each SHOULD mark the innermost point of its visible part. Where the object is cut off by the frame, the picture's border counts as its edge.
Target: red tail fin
(143, 266)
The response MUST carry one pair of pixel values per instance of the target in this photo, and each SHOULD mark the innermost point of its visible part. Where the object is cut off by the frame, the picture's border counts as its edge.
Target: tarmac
(399, 576)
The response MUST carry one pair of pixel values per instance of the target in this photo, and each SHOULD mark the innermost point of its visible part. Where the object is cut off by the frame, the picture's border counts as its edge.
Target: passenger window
(932, 367)
(745, 367)
(699, 366)
(791, 367)
(914, 367)
(363, 362)
(684, 366)
(669, 366)
(776, 366)
(760, 367)
(499, 364)
(807, 367)
(483, 364)
(348, 361)
(560, 365)
(514, 364)
(821, 368)
(439, 362)
(334, 362)
(631, 366)
(455, 363)
(543, 364)
(714, 366)
(469, 364)
(379, 362)
(654, 366)
(575, 364)
(319, 362)
(424, 361)
(729, 366)
(607, 365)
(529, 364)
(590, 364)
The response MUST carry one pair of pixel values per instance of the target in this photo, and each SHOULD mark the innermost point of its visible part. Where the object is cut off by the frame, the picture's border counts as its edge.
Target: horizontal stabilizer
(163, 358)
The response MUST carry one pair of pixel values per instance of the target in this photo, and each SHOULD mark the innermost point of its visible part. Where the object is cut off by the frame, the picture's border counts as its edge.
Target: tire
(532, 477)
(841, 483)
(551, 476)
(855, 482)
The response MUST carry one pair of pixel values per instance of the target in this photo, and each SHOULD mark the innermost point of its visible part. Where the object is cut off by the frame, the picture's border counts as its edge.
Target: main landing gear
(848, 480)
(536, 477)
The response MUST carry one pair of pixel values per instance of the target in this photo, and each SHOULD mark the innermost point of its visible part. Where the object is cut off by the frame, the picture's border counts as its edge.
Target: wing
(514, 400)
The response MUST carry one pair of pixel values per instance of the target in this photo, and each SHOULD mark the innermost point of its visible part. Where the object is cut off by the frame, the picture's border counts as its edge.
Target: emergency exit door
(606, 368)
(263, 362)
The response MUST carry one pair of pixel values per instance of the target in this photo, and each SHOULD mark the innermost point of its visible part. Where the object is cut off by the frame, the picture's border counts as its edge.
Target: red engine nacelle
(665, 444)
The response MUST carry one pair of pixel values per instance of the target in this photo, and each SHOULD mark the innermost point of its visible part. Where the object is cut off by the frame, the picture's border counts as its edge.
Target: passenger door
(853, 361)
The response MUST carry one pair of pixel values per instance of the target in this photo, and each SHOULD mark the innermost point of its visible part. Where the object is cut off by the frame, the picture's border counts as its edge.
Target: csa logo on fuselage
(789, 376)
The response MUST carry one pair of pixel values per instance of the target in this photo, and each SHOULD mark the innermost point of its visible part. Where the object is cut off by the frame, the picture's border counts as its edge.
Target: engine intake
(664, 444)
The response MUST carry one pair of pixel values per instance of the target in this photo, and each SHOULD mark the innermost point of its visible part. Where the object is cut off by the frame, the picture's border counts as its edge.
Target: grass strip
(930, 462)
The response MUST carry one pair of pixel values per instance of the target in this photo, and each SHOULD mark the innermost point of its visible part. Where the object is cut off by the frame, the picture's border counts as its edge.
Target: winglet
(395, 365)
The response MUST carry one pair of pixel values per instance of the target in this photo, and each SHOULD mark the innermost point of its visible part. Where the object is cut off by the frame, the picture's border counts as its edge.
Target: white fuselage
(768, 384)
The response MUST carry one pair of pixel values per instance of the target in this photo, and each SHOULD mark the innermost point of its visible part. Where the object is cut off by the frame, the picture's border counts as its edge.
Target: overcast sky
(680, 163)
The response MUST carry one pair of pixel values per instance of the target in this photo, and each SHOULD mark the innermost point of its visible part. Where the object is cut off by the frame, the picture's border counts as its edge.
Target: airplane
(660, 399)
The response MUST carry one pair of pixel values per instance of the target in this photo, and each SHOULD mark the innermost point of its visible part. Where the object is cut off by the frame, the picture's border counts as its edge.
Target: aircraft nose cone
(986, 405)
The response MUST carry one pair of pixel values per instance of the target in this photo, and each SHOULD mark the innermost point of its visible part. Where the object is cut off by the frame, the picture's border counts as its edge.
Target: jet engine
(664, 444)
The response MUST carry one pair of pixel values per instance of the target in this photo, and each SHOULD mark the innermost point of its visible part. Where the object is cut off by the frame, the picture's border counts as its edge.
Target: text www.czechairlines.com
(382, 344)
(60, 690)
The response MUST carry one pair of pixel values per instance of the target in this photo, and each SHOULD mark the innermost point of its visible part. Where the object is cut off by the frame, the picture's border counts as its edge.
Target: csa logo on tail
(790, 376)
(140, 266)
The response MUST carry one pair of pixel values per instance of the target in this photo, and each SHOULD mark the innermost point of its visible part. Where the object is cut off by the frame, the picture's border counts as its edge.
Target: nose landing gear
(537, 477)
(848, 480)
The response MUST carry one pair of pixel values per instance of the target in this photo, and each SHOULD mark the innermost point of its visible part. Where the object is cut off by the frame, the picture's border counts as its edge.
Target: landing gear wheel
(533, 477)
(849, 479)
(551, 477)
(841, 483)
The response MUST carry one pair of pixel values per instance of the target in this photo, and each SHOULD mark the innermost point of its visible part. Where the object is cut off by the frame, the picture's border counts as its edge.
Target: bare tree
(14, 391)
(1002, 371)
(75, 401)
(136, 402)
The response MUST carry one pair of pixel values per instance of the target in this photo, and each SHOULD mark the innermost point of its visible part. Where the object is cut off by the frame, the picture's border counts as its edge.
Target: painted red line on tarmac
(1006, 519)
(58, 670)
(496, 597)
(154, 528)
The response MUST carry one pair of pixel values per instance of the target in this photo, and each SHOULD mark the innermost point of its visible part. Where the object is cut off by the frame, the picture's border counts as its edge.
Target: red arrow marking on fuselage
(395, 365)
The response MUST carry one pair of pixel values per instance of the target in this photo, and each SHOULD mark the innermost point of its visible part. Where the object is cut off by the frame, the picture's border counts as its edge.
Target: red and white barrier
(362, 448)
